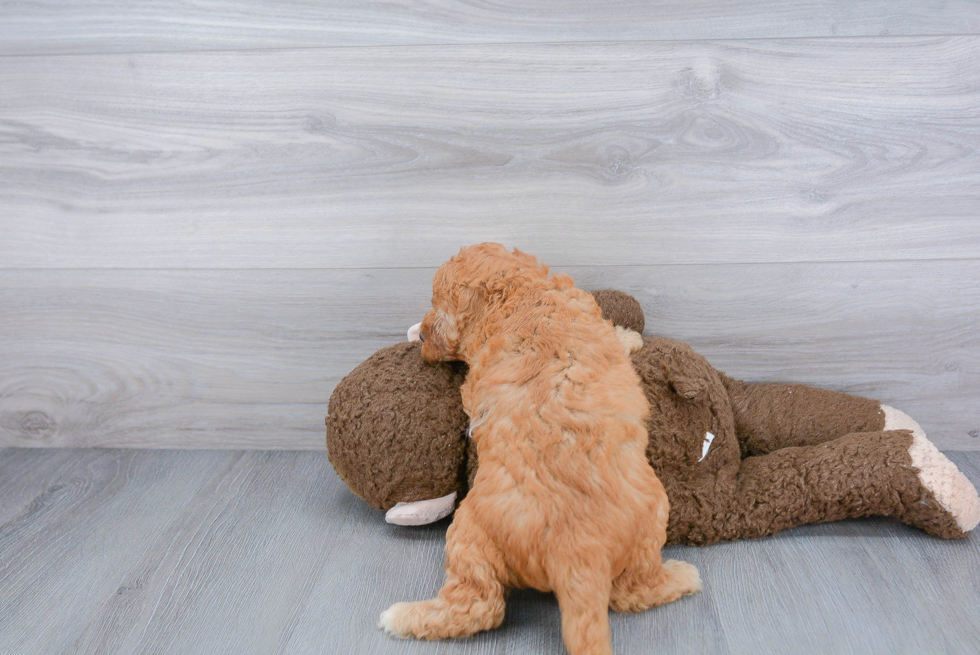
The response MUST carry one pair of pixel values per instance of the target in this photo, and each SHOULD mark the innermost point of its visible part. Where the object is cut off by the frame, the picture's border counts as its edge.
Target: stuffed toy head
(396, 429)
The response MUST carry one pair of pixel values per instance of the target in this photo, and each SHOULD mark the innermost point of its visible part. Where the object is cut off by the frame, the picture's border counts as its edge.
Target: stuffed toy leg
(743, 460)
(860, 474)
(850, 456)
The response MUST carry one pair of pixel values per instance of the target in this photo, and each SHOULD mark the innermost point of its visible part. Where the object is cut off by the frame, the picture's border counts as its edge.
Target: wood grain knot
(36, 425)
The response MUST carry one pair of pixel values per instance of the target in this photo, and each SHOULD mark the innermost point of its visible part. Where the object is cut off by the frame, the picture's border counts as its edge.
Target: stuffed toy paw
(737, 459)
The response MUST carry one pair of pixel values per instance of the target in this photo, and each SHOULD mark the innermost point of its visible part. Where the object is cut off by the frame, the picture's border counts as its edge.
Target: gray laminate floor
(170, 551)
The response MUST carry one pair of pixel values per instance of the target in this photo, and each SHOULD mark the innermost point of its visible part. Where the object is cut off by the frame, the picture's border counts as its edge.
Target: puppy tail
(584, 603)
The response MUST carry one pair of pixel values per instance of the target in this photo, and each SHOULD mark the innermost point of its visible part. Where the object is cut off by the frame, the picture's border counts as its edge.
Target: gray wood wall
(210, 213)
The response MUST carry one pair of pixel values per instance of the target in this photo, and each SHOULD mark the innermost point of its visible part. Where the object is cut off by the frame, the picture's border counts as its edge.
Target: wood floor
(140, 551)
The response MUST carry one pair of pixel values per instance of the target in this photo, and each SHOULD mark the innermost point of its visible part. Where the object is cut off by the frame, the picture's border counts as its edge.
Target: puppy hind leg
(472, 598)
(647, 582)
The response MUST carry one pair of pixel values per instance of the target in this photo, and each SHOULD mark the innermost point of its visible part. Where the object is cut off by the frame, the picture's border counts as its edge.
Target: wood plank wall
(210, 213)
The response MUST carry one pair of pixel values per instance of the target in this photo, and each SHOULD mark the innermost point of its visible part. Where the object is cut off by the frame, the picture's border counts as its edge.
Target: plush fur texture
(564, 499)
(375, 437)
(622, 310)
(396, 429)
(781, 454)
(951, 489)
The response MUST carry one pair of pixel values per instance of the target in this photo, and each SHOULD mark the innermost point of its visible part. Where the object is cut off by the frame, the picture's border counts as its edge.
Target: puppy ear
(472, 300)
(441, 337)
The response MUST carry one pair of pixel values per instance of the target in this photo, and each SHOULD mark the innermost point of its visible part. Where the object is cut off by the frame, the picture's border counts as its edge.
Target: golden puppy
(564, 499)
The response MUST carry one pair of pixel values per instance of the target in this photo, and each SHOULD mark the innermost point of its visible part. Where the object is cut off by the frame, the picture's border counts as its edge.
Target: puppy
(564, 499)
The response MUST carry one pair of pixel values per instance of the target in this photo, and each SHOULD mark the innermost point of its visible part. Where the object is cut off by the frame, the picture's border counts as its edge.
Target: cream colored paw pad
(631, 339)
(414, 332)
(953, 491)
(422, 512)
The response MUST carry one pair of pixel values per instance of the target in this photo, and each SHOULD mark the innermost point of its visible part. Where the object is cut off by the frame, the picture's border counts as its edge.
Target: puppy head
(467, 291)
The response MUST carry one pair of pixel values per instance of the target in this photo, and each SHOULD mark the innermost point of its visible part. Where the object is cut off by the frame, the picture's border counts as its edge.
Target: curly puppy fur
(564, 499)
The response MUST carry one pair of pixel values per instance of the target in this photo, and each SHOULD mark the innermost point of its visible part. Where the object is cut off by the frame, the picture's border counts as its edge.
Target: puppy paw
(683, 575)
(952, 490)
(390, 620)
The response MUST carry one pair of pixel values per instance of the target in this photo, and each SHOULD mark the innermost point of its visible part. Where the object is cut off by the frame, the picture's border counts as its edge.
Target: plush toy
(738, 459)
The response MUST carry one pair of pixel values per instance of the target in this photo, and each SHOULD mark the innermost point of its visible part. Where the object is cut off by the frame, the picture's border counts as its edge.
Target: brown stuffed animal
(737, 459)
